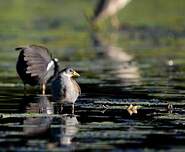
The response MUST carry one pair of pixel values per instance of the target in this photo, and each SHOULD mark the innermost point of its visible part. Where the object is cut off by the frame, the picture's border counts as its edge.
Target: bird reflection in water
(70, 124)
(64, 134)
(38, 125)
(125, 68)
(50, 122)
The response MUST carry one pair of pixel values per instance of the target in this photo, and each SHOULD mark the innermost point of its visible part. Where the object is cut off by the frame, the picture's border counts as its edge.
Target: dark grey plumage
(36, 66)
(64, 87)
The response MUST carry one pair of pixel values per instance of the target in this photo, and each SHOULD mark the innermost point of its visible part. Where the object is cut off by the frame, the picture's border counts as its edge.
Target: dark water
(137, 65)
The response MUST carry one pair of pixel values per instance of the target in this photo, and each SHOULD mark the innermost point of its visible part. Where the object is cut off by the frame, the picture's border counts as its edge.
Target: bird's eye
(70, 70)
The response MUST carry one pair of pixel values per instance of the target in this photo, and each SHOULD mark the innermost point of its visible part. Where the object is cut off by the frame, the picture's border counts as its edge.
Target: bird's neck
(66, 77)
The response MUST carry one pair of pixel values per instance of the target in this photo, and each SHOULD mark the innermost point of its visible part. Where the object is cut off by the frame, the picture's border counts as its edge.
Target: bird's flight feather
(37, 59)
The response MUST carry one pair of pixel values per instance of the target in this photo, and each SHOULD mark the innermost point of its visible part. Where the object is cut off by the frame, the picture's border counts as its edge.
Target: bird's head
(70, 72)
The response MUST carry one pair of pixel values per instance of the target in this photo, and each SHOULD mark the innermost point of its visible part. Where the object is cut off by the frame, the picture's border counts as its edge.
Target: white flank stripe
(50, 64)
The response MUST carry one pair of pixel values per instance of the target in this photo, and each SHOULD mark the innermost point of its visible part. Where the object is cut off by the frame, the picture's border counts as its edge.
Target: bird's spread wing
(37, 58)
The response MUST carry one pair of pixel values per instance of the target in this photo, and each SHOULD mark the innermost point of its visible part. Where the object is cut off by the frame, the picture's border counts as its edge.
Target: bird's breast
(65, 89)
(71, 92)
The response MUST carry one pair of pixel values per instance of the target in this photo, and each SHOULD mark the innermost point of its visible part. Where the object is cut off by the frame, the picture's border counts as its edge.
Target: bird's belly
(71, 96)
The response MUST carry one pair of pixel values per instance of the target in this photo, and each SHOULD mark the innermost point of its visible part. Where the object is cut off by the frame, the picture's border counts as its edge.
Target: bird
(35, 65)
(64, 87)
(108, 8)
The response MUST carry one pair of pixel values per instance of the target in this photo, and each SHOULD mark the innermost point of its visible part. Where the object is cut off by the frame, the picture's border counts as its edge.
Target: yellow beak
(75, 74)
